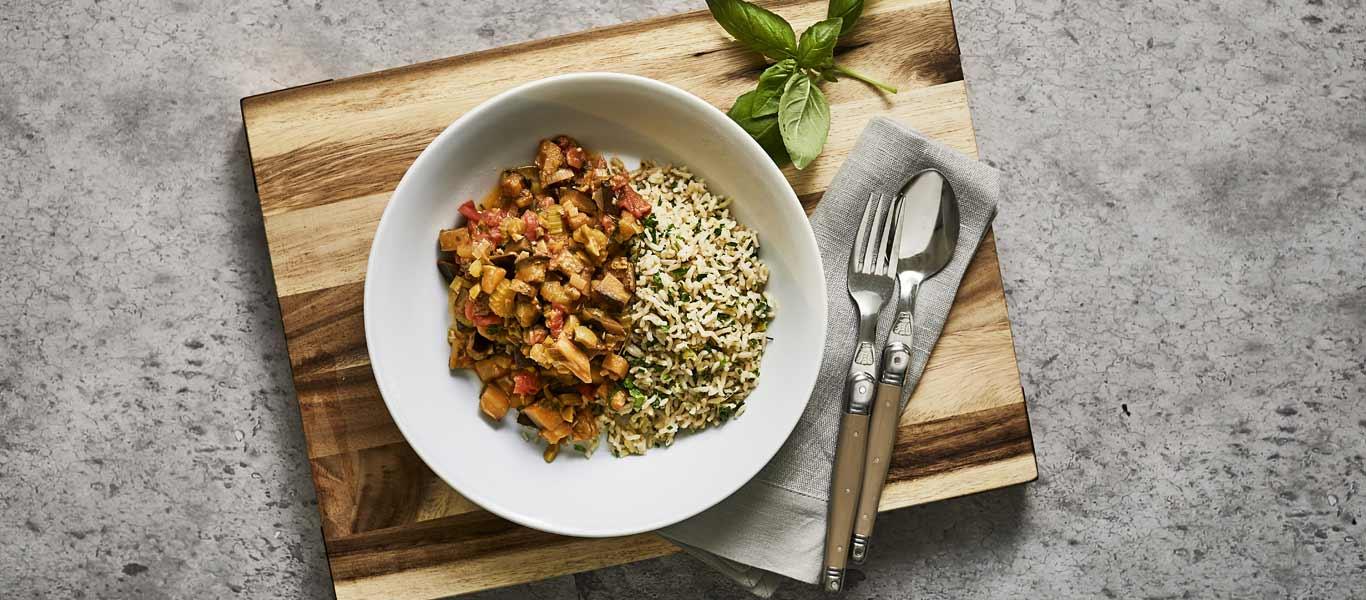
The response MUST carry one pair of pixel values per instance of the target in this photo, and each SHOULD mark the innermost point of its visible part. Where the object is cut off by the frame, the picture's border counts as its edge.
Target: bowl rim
(769, 171)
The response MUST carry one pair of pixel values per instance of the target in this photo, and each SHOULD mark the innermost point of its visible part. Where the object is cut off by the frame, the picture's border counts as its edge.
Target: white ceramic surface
(406, 316)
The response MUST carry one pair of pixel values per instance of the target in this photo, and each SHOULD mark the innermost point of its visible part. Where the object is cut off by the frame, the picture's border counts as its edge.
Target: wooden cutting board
(326, 157)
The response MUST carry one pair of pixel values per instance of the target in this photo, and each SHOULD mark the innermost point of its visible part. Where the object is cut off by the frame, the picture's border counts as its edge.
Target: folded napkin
(775, 525)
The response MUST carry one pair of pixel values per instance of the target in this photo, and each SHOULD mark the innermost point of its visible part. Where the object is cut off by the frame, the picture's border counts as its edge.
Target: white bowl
(406, 316)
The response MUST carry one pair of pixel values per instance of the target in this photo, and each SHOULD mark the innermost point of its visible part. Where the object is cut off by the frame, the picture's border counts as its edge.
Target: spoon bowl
(926, 249)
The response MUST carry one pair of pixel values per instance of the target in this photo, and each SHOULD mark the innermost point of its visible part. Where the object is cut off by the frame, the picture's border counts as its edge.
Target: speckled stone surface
(1184, 246)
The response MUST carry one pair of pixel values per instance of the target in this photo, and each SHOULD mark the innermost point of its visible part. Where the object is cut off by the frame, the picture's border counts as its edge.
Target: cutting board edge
(496, 51)
(312, 468)
(254, 101)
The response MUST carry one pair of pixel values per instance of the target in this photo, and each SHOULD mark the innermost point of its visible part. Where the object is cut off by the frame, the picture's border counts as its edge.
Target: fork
(870, 285)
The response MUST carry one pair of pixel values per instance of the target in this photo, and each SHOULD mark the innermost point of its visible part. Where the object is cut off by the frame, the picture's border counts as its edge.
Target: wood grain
(326, 158)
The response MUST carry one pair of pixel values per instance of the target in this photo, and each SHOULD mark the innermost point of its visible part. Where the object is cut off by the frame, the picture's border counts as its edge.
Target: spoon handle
(881, 438)
(886, 414)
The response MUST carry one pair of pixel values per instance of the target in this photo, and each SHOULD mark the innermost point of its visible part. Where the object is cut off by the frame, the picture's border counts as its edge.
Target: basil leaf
(803, 120)
(771, 84)
(756, 27)
(816, 49)
(847, 10)
(763, 129)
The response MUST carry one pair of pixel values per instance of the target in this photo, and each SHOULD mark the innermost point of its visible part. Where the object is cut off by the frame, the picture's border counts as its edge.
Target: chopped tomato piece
(492, 218)
(469, 211)
(554, 319)
(492, 234)
(628, 199)
(631, 202)
(526, 382)
(574, 157)
(533, 225)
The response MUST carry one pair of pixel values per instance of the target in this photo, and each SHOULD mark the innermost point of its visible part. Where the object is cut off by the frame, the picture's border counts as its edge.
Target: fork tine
(861, 238)
(885, 249)
(877, 252)
(875, 249)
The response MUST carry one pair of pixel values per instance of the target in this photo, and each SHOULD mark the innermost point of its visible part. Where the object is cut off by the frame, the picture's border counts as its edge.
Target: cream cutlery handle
(844, 492)
(881, 439)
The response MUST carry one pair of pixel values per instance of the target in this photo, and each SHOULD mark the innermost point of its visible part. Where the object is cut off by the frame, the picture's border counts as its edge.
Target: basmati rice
(699, 317)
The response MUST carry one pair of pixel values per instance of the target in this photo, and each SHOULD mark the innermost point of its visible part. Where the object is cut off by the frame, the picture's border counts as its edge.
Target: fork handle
(844, 494)
(881, 439)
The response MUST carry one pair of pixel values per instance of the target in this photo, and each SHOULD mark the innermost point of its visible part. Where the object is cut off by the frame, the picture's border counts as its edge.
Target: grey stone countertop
(1183, 244)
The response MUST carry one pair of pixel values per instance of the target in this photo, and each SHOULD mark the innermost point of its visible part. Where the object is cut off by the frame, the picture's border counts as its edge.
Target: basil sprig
(786, 112)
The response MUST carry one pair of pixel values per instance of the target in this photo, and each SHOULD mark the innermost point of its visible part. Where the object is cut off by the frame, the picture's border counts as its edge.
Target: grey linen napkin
(775, 524)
